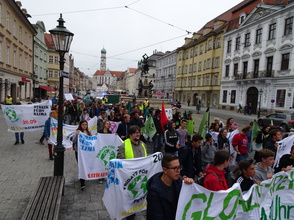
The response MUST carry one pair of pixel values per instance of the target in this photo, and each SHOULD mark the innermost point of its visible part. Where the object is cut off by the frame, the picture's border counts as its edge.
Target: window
(241, 18)
(285, 61)
(14, 27)
(50, 74)
(20, 33)
(201, 49)
(179, 70)
(50, 59)
(272, 31)
(196, 51)
(0, 13)
(258, 36)
(207, 81)
(14, 57)
(236, 69)
(1, 49)
(229, 46)
(8, 55)
(187, 55)
(194, 67)
(233, 96)
(227, 73)
(56, 60)
(216, 79)
(256, 68)
(269, 66)
(204, 65)
(217, 62)
(20, 61)
(238, 42)
(247, 40)
(190, 68)
(191, 53)
(55, 74)
(200, 66)
(218, 43)
(280, 98)
(198, 81)
(225, 94)
(209, 44)
(208, 63)
(7, 20)
(245, 69)
(288, 26)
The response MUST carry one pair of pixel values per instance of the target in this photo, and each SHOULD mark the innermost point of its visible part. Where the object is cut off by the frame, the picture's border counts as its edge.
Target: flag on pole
(204, 124)
(163, 118)
(255, 131)
(149, 128)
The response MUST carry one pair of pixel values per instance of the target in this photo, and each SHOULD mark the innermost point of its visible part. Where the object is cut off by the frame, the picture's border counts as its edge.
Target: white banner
(284, 148)
(69, 131)
(94, 153)
(23, 118)
(114, 126)
(272, 199)
(125, 191)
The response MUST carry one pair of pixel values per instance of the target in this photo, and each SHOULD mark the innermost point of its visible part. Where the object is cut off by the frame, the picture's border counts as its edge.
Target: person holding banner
(286, 162)
(105, 128)
(17, 134)
(164, 190)
(47, 134)
(83, 127)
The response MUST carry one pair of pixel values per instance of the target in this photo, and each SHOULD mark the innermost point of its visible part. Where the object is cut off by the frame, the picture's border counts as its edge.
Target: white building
(258, 59)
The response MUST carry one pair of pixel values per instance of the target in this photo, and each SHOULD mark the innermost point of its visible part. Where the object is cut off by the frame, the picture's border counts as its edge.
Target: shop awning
(46, 88)
(25, 79)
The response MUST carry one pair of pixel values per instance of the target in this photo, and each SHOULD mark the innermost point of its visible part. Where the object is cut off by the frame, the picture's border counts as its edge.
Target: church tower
(103, 60)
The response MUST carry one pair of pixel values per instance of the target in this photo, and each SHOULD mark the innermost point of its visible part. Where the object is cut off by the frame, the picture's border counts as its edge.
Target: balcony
(255, 75)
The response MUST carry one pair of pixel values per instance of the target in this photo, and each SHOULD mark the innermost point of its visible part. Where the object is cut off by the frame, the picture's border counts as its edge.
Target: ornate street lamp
(62, 39)
(260, 94)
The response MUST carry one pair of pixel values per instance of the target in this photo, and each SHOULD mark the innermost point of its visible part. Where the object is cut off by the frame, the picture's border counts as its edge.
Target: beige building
(16, 52)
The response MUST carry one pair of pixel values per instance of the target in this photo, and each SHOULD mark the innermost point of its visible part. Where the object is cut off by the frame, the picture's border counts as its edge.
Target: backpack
(200, 180)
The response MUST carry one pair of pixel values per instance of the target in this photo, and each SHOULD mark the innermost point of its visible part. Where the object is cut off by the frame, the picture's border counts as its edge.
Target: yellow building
(199, 64)
(16, 52)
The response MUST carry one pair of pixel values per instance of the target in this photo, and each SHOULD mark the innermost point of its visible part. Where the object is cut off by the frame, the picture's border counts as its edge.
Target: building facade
(258, 67)
(16, 52)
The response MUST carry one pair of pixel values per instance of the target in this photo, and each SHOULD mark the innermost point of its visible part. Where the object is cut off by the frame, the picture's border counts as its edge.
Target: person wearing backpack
(215, 174)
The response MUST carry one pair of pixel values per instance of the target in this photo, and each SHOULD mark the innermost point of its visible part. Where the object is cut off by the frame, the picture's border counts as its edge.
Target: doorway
(252, 97)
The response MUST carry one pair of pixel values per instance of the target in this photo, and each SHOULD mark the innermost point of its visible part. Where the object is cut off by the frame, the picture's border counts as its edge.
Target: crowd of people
(192, 158)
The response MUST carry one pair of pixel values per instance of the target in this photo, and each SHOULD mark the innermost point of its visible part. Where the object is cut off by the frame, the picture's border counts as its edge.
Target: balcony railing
(255, 75)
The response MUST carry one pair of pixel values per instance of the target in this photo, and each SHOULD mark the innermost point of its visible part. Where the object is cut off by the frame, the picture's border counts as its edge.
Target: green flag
(146, 112)
(190, 127)
(203, 127)
(149, 128)
(255, 131)
(129, 107)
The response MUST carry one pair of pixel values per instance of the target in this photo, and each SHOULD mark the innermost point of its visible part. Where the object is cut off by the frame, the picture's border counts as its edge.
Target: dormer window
(242, 18)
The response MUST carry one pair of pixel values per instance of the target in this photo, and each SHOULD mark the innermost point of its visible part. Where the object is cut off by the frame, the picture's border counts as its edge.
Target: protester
(105, 128)
(207, 150)
(177, 117)
(240, 144)
(183, 134)
(222, 140)
(8, 100)
(83, 128)
(47, 134)
(229, 123)
(264, 168)
(286, 162)
(246, 178)
(85, 116)
(214, 127)
(136, 119)
(123, 127)
(101, 118)
(17, 134)
(271, 142)
(164, 190)
(73, 113)
(113, 117)
(191, 158)
(215, 174)
(171, 138)
(158, 137)
(221, 123)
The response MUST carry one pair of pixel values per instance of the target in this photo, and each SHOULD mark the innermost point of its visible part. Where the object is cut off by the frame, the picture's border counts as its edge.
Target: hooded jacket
(215, 182)
(261, 174)
(160, 205)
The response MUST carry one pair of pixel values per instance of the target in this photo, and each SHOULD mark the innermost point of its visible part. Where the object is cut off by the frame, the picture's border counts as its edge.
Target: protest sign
(69, 131)
(94, 154)
(23, 118)
(272, 199)
(125, 191)
(68, 96)
(284, 148)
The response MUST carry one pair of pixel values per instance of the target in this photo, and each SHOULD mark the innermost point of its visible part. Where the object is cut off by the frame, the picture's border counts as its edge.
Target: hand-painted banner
(125, 191)
(69, 131)
(284, 148)
(94, 154)
(272, 199)
(23, 118)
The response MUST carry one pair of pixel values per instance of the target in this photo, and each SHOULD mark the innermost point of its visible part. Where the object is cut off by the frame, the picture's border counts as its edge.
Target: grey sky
(108, 23)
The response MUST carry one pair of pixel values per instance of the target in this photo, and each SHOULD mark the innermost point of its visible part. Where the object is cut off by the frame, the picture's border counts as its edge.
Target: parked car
(176, 104)
(286, 121)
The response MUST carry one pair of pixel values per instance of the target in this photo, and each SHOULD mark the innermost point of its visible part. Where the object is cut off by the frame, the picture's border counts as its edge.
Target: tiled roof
(101, 73)
(49, 41)
(132, 70)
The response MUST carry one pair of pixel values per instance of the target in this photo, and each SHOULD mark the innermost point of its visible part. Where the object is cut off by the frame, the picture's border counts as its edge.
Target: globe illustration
(11, 115)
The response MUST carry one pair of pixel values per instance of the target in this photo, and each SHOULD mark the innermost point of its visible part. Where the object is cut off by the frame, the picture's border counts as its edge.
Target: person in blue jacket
(163, 190)
(47, 134)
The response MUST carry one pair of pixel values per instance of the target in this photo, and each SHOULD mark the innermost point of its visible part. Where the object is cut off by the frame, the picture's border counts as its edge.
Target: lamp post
(62, 39)
(34, 78)
(260, 94)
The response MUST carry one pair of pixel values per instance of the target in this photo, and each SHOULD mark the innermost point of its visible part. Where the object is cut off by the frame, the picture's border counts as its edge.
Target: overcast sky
(126, 33)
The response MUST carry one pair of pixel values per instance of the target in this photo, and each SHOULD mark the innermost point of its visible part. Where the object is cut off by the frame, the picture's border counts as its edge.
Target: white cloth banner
(114, 126)
(94, 154)
(125, 191)
(272, 199)
(30, 117)
(69, 131)
(284, 148)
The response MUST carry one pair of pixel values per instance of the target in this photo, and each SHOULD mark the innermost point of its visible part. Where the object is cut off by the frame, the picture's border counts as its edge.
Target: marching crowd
(188, 155)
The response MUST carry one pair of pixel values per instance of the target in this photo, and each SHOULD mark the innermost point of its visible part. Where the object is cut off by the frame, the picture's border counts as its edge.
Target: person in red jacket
(215, 174)
(240, 144)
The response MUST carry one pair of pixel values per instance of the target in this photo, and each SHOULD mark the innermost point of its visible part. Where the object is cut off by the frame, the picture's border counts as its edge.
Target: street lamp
(62, 39)
(260, 94)
(34, 78)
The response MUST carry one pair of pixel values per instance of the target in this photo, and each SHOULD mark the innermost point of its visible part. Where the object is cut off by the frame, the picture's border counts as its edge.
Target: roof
(132, 70)
(103, 50)
(49, 41)
(102, 72)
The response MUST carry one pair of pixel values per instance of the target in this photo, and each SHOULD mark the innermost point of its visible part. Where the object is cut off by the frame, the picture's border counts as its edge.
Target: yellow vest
(141, 107)
(8, 101)
(103, 102)
(129, 154)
